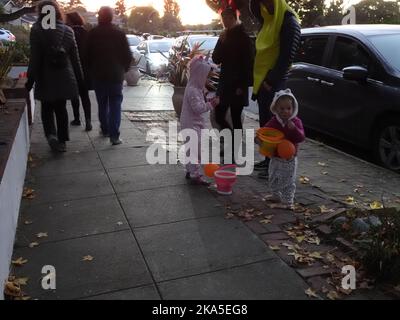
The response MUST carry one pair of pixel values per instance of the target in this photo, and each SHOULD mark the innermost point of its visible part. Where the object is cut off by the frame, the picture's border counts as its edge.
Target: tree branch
(17, 14)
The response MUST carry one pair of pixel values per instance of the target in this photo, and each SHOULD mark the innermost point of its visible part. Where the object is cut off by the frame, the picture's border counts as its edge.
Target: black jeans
(84, 94)
(264, 100)
(236, 115)
(59, 109)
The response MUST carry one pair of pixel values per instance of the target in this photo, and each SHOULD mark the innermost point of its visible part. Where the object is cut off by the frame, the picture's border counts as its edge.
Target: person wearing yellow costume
(276, 46)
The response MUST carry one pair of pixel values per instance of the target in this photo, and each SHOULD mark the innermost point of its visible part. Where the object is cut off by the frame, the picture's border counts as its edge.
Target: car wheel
(387, 145)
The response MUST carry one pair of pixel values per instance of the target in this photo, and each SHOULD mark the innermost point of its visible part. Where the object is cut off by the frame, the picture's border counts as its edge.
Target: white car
(6, 36)
(133, 41)
(152, 55)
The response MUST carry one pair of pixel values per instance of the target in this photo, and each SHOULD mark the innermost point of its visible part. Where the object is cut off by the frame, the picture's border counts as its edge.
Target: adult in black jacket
(275, 80)
(55, 70)
(234, 51)
(76, 22)
(109, 58)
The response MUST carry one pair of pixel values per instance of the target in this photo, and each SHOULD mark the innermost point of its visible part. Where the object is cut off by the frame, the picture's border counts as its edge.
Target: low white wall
(11, 188)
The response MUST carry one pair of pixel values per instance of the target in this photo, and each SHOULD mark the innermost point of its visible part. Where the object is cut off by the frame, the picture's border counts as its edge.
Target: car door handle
(329, 84)
(313, 79)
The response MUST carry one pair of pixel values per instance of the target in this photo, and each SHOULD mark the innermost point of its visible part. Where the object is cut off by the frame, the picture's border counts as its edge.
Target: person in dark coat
(76, 22)
(276, 46)
(109, 58)
(55, 70)
(234, 51)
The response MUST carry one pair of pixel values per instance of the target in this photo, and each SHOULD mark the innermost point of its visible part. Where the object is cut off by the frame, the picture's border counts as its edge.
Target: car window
(133, 41)
(348, 52)
(312, 50)
(389, 46)
(1, 32)
(160, 46)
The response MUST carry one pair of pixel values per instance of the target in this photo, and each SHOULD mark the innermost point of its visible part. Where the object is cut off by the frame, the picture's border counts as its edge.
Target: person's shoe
(75, 122)
(187, 176)
(115, 141)
(62, 147)
(283, 206)
(262, 165)
(263, 175)
(53, 142)
(89, 126)
(198, 181)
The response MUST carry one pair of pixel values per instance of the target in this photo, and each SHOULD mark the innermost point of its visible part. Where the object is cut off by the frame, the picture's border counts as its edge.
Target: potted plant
(133, 75)
(6, 53)
(178, 69)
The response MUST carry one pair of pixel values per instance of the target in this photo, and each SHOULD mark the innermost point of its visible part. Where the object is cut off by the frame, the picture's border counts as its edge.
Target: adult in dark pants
(76, 22)
(276, 46)
(109, 58)
(55, 70)
(234, 51)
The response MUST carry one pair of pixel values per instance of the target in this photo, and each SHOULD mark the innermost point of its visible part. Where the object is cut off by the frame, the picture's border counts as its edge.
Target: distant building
(26, 21)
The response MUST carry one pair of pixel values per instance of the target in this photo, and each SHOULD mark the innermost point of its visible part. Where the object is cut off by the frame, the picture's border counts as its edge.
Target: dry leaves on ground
(304, 180)
(87, 258)
(19, 262)
(33, 244)
(28, 193)
(376, 205)
(311, 293)
(42, 235)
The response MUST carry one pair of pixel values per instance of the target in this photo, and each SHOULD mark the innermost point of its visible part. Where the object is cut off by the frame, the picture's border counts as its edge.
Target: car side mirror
(355, 73)
(142, 51)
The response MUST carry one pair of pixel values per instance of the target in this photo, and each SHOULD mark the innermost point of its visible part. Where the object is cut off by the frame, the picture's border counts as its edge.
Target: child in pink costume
(194, 105)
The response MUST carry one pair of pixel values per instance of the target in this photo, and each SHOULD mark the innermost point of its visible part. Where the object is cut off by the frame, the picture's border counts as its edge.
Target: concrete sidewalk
(146, 234)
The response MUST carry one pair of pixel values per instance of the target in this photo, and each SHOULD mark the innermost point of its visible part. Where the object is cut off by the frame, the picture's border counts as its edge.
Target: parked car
(347, 81)
(208, 43)
(133, 41)
(6, 36)
(152, 55)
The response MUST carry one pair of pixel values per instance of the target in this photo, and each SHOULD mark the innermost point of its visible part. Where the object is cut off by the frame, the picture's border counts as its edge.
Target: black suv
(347, 81)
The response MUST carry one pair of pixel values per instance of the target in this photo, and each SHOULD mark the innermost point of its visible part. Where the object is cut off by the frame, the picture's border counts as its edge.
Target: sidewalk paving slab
(166, 205)
(117, 263)
(196, 246)
(71, 219)
(266, 280)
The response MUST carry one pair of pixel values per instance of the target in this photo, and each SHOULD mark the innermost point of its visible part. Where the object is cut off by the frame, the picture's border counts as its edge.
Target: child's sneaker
(284, 206)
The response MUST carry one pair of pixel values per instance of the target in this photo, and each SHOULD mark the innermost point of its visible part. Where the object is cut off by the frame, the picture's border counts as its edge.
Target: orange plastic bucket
(270, 139)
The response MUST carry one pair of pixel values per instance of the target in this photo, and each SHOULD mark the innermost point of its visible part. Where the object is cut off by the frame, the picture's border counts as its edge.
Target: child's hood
(198, 72)
(284, 93)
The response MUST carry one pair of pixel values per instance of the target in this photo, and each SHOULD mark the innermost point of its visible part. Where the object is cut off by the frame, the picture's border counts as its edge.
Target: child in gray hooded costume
(282, 173)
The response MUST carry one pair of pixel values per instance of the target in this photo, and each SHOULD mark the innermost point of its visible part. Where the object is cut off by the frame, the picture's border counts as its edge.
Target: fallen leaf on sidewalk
(119, 223)
(28, 193)
(265, 221)
(324, 209)
(42, 235)
(350, 200)
(275, 248)
(12, 289)
(28, 222)
(311, 293)
(330, 257)
(322, 164)
(87, 258)
(342, 180)
(313, 240)
(324, 173)
(316, 255)
(229, 216)
(304, 180)
(300, 239)
(332, 295)
(376, 205)
(33, 244)
(21, 281)
(19, 262)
